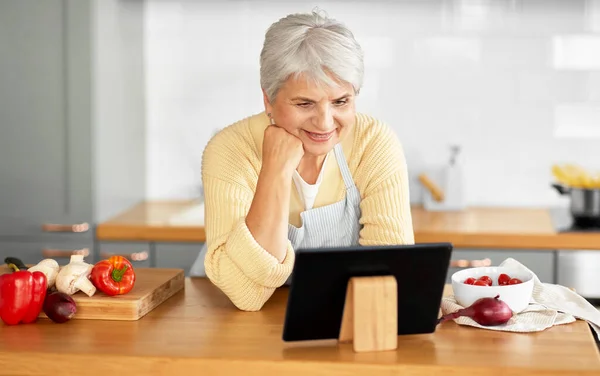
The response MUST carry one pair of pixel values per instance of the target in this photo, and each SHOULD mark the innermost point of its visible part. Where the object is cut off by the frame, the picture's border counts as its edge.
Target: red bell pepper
(22, 295)
(113, 276)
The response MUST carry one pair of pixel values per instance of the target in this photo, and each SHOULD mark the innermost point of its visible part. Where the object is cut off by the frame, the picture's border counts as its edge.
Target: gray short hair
(312, 44)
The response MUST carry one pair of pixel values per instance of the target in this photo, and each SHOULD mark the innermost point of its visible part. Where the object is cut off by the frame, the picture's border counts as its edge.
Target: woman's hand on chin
(282, 151)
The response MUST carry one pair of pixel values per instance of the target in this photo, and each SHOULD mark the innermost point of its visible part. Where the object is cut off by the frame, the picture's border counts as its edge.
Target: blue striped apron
(334, 225)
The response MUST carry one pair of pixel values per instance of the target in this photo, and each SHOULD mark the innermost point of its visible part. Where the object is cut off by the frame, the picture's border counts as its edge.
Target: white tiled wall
(516, 83)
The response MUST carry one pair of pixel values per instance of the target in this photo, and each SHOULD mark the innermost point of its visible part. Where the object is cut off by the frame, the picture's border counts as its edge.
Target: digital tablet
(317, 291)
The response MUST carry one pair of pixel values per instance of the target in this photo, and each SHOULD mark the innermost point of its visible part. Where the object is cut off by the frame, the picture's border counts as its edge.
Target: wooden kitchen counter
(149, 221)
(477, 227)
(198, 331)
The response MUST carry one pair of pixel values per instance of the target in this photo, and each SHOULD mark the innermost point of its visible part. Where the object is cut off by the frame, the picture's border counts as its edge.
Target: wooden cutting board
(152, 287)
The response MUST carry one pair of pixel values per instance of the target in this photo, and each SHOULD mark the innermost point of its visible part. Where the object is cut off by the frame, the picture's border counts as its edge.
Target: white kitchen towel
(550, 305)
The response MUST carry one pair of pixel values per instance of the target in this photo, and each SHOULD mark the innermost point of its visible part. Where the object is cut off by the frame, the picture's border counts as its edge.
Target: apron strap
(343, 165)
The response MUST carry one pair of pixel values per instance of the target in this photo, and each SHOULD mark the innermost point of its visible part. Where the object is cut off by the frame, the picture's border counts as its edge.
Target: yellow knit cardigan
(231, 163)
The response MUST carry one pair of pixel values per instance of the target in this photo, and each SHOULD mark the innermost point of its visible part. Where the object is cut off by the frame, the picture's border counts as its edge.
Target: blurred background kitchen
(515, 83)
(106, 104)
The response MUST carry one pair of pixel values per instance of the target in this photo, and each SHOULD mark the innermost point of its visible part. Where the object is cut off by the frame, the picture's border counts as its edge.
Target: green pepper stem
(14, 267)
(118, 274)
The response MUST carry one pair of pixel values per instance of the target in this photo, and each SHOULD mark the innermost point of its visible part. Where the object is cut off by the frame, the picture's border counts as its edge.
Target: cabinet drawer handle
(50, 253)
(135, 256)
(78, 227)
(470, 263)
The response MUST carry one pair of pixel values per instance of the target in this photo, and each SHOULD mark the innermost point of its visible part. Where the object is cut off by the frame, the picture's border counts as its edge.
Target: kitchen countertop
(198, 331)
(476, 227)
(151, 221)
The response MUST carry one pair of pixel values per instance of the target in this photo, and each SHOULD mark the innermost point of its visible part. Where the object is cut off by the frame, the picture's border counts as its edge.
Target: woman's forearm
(268, 216)
(235, 261)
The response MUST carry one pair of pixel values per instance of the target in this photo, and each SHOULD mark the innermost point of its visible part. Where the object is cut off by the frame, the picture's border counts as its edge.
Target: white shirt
(308, 192)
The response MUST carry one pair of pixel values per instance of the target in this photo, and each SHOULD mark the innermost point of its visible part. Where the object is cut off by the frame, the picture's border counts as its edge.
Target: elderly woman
(309, 171)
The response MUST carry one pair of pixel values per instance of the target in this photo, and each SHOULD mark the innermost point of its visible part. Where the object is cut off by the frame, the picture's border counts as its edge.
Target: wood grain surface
(149, 221)
(152, 287)
(475, 227)
(199, 331)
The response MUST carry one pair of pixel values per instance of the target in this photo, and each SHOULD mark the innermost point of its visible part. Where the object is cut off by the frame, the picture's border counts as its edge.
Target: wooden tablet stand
(370, 318)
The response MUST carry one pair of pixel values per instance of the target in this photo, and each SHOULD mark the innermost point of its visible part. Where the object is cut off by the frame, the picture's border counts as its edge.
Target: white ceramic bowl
(516, 296)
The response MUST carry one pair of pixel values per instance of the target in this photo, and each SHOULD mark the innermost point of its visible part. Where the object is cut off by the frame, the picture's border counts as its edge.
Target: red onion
(484, 311)
(59, 307)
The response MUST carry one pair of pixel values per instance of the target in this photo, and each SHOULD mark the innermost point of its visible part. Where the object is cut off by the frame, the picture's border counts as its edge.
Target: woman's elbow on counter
(249, 299)
(245, 294)
(252, 302)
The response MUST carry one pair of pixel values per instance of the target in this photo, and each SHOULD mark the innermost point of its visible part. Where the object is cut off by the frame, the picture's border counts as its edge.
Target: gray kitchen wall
(515, 83)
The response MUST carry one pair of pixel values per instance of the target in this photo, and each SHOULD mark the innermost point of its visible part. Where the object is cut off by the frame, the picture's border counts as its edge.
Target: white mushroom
(75, 276)
(50, 268)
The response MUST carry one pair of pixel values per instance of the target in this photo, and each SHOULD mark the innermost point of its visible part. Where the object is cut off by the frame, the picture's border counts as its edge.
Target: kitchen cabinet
(139, 254)
(44, 110)
(542, 263)
(177, 255)
(32, 252)
(71, 118)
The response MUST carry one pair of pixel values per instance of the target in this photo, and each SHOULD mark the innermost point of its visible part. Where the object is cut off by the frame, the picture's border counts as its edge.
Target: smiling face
(320, 116)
